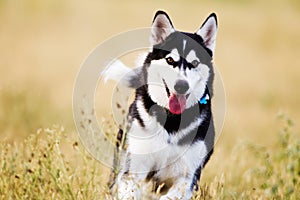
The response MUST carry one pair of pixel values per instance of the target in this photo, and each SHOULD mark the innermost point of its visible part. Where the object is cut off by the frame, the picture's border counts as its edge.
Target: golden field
(44, 43)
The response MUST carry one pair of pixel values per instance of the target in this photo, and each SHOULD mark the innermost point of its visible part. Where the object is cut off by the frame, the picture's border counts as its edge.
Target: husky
(171, 133)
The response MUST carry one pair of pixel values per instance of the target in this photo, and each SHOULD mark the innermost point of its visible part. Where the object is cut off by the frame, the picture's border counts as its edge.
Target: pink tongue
(177, 103)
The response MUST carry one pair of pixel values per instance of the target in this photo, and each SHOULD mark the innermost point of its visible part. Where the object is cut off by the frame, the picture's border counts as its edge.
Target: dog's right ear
(161, 28)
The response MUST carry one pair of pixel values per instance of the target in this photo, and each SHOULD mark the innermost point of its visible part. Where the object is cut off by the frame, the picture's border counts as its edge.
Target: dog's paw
(128, 190)
(166, 197)
(177, 194)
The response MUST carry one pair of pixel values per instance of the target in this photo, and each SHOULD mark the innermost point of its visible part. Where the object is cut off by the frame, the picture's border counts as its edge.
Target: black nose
(181, 86)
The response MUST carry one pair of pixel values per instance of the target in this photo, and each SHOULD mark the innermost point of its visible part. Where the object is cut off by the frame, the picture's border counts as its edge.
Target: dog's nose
(181, 86)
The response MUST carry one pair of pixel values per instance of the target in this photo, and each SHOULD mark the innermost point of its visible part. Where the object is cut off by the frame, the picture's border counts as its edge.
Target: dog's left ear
(208, 31)
(161, 28)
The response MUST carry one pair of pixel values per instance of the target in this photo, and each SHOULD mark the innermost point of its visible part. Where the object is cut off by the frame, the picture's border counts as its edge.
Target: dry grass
(38, 168)
(43, 44)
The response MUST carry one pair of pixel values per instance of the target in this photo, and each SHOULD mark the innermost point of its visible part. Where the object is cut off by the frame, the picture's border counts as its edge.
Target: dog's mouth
(177, 102)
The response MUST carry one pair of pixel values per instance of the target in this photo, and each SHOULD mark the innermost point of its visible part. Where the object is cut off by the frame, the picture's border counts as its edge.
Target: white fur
(179, 191)
(116, 71)
(192, 56)
(158, 71)
(128, 190)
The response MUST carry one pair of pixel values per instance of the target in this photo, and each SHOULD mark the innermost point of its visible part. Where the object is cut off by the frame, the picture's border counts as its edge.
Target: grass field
(43, 44)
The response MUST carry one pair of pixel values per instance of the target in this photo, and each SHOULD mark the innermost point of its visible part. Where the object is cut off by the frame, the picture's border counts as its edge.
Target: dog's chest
(151, 150)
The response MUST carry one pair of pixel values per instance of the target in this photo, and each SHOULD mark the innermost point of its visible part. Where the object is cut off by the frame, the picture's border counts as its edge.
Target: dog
(171, 132)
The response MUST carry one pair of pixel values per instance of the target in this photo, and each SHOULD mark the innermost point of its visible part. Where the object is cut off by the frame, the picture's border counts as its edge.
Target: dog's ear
(208, 31)
(161, 28)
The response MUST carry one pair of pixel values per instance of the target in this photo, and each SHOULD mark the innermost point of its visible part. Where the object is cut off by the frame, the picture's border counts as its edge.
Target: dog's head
(179, 67)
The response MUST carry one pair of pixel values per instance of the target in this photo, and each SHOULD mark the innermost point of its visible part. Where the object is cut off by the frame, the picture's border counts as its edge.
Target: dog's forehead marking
(182, 54)
(192, 56)
(174, 54)
(184, 45)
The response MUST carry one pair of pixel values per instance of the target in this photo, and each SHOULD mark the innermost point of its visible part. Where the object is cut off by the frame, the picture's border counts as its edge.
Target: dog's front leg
(181, 190)
(128, 188)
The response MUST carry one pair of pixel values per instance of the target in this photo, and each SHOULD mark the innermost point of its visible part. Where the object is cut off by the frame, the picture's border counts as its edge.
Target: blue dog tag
(204, 99)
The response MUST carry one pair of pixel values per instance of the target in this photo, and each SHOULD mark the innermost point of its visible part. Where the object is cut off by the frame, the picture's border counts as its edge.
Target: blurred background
(43, 43)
